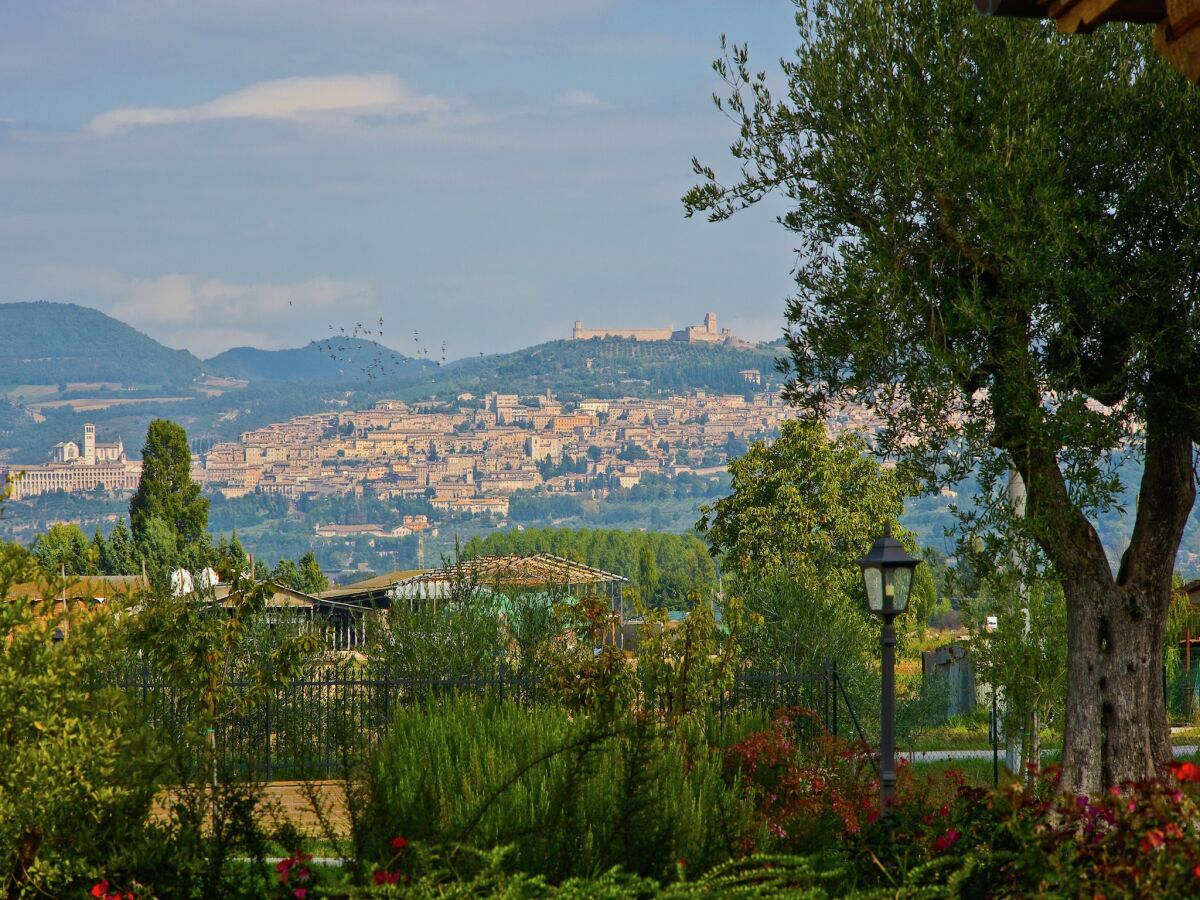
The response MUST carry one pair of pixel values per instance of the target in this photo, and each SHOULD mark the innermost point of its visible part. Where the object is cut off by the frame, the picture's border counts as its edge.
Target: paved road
(946, 755)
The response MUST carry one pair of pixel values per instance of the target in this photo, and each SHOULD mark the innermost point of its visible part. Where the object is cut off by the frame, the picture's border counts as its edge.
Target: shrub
(574, 797)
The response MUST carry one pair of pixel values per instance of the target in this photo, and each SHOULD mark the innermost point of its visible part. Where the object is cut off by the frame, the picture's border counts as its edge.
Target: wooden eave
(1177, 37)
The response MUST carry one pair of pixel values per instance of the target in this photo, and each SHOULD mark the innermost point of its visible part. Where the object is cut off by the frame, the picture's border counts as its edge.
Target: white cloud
(330, 99)
(208, 316)
(581, 99)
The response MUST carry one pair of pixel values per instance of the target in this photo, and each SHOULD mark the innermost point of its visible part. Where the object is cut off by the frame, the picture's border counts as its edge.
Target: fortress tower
(89, 445)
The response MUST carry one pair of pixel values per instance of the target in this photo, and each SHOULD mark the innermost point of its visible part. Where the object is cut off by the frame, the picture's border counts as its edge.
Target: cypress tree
(166, 491)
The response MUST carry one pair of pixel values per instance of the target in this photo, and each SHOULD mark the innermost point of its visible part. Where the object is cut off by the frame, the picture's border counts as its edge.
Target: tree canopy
(803, 511)
(999, 249)
(166, 491)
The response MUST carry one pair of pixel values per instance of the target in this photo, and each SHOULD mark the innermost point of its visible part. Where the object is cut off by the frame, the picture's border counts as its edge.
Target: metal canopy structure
(539, 571)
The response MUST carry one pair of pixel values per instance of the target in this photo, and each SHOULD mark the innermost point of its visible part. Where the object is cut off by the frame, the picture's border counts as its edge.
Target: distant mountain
(348, 360)
(61, 343)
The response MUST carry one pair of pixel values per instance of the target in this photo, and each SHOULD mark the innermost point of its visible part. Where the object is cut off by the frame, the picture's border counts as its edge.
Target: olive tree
(998, 239)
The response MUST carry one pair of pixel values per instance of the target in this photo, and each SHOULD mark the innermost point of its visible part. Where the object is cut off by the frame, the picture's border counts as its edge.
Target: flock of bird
(340, 345)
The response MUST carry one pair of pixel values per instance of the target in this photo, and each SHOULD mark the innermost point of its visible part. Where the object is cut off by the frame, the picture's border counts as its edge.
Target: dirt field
(97, 403)
(290, 799)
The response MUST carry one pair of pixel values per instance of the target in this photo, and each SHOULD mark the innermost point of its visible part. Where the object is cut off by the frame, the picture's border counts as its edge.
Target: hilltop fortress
(692, 334)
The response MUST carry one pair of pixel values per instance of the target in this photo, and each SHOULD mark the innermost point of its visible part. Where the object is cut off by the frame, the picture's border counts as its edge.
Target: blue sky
(229, 172)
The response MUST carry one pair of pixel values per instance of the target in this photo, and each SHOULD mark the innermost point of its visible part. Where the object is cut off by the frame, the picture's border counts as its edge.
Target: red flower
(282, 866)
(399, 843)
(946, 841)
(681, 862)
(1196, 871)
(1185, 771)
(1153, 840)
(300, 893)
(100, 889)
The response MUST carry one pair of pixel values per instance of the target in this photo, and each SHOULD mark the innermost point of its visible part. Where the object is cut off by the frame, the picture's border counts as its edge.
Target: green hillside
(346, 361)
(613, 367)
(61, 343)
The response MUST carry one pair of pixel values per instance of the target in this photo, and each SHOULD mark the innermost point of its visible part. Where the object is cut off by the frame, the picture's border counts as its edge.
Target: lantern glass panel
(902, 577)
(873, 578)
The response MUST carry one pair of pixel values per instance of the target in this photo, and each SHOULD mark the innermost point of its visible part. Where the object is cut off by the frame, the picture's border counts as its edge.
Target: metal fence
(318, 725)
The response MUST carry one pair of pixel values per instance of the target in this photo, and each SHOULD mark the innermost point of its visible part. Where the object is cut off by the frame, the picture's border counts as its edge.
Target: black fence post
(835, 697)
(995, 741)
(268, 745)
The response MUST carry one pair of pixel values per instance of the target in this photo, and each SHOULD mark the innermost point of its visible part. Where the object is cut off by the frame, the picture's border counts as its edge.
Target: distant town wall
(579, 333)
(707, 333)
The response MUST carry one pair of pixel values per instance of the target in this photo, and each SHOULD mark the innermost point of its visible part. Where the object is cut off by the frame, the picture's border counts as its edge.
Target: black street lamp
(888, 574)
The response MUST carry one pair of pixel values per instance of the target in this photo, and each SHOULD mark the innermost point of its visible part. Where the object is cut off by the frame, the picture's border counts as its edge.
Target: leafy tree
(158, 551)
(287, 573)
(64, 548)
(1000, 252)
(808, 509)
(647, 573)
(118, 556)
(166, 491)
(311, 576)
(1025, 656)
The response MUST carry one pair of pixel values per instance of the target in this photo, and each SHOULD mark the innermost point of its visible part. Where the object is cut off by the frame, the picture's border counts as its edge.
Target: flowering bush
(1134, 841)
(810, 795)
(296, 879)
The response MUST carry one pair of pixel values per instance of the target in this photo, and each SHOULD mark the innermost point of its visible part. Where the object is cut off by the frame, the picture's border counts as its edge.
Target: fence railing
(316, 725)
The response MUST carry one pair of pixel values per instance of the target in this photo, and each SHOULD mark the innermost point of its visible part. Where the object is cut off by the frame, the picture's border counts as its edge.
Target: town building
(97, 465)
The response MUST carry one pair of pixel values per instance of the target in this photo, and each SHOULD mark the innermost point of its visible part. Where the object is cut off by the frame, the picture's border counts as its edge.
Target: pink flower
(384, 877)
(300, 893)
(946, 841)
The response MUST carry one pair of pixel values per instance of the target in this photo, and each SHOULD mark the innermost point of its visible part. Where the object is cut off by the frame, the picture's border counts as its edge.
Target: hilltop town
(470, 456)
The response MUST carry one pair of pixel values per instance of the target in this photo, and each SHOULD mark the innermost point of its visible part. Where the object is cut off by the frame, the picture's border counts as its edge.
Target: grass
(977, 772)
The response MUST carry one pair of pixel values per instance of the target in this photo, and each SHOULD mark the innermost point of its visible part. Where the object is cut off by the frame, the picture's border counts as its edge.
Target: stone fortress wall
(707, 333)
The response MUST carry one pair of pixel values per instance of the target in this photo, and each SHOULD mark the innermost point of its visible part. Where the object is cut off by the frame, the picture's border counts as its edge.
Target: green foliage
(573, 798)
(688, 667)
(795, 628)
(76, 775)
(461, 636)
(166, 491)
(312, 579)
(806, 509)
(65, 549)
(804, 505)
(1025, 657)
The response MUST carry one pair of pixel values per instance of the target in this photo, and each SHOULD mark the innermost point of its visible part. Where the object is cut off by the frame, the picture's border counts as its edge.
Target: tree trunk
(1116, 724)
(1116, 728)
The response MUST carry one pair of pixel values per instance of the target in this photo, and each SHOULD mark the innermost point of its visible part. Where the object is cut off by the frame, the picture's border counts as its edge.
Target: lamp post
(888, 573)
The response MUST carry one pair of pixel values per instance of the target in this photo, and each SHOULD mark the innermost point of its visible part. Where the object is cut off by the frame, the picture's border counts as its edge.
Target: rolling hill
(349, 361)
(43, 343)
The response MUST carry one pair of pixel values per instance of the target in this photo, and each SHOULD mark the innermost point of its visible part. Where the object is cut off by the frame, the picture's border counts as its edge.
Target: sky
(223, 173)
